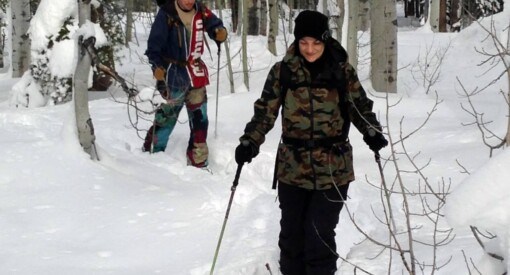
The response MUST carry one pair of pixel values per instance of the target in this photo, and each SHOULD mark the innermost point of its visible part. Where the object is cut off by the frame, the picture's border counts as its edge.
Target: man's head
(311, 31)
(186, 5)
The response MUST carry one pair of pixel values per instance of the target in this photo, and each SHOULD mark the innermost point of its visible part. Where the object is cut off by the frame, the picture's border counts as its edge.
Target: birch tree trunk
(455, 16)
(364, 19)
(227, 53)
(244, 44)
(352, 32)
(340, 19)
(383, 37)
(81, 76)
(291, 15)
(20, 10)
(129, 22)
(508, 98)
(273, 26)
(434, 15)
(263, 18)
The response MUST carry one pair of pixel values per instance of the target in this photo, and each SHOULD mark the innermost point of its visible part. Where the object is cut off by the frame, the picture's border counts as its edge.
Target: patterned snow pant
(307, 236)
(166, 117)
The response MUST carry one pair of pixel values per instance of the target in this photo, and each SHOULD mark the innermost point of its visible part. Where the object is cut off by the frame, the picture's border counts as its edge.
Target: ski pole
(217, 93)
(233, 190)
(378, 160)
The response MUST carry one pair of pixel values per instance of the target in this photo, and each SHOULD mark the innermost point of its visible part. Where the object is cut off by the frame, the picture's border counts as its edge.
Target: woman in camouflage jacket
(319, 95)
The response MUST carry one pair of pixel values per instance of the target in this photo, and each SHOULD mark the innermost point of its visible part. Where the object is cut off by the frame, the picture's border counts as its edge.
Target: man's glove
(375, 139)
(220, 35)
(246, 151)
(159, 74)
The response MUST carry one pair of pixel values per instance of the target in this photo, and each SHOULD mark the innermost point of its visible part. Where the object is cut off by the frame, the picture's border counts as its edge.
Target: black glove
(162, 89)
(246, 151)
(375, 139)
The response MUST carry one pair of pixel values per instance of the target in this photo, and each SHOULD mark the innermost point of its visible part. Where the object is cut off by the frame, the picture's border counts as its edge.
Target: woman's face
(186, 4)
(310, 48)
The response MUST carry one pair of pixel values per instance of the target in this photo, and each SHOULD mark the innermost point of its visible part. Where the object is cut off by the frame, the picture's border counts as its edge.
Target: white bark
(434, 15)
(352, 32)
(244, 44)
(273, 26)
(263, 17)
(20, 41)
(364, 8)
(81, 76)
(340, 20)
(129, 22)
(383, 37)
(227, 54)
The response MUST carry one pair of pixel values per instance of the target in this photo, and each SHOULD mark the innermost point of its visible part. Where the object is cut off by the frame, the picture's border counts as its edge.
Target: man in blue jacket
(174, 48)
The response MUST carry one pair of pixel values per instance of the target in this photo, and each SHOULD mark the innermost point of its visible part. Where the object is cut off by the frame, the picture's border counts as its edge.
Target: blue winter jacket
(167, 46)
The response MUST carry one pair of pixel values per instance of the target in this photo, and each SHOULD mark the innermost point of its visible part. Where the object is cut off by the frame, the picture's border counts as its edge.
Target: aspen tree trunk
(81, 76)
(364, 18)
(442, 15)
(129, 22)
(291, 15)
(244, 45)
(273, 26)
(383, 37)
(508, 95)
(455, 15)
(20, 10)
(352, 33)
(340, 20)
(263, 18)
(227, 53)
(434, 15)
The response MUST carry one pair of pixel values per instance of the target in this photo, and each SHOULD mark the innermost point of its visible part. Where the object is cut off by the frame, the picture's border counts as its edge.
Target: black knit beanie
(313, 24)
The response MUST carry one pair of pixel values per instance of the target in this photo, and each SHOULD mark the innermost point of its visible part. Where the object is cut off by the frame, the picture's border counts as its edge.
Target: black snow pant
(307, 236)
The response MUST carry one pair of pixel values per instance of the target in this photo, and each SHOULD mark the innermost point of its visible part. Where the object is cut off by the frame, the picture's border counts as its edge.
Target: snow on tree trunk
(352, 32)
(273, 26)
(20, 41)
(383, 37)
(81, 80)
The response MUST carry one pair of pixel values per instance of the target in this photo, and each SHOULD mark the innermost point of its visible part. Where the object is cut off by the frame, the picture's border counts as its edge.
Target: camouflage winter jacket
(311, 111)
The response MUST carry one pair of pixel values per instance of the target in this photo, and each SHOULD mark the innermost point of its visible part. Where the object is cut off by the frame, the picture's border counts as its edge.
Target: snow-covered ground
(137, 213)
